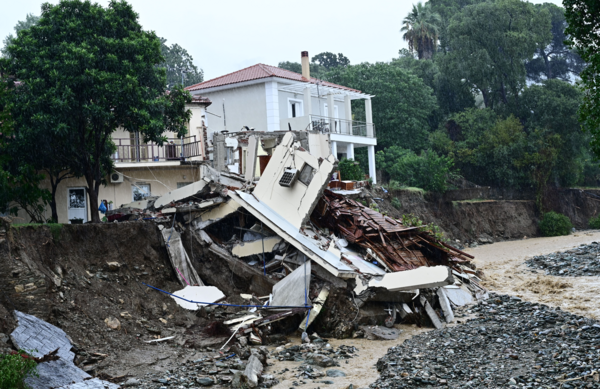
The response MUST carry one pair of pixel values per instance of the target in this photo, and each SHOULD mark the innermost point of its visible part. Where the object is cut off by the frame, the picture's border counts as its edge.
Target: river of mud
(505, 271)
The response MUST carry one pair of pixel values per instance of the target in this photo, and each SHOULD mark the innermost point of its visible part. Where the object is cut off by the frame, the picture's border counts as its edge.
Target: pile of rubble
(509, 343)
(577, 262)
(296, 243)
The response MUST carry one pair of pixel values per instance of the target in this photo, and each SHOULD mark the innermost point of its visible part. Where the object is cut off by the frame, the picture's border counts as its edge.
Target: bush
(14, 368)
(350, 170)
(555, 224)
(428, 170)
(595, 222)
(396, 203)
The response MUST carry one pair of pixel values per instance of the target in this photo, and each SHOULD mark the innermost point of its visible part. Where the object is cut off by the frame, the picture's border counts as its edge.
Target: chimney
(305, 65)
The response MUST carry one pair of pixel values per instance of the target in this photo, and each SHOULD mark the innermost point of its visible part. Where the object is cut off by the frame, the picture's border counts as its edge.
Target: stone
(113, 323)
(319, 360)
(205, 381)
(126, 315)
(113, 266)
(253, 370)
(335, 373)
(131, 382)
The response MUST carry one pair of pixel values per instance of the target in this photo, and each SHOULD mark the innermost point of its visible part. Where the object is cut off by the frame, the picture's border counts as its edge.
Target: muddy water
(503, 265)
(360, 371)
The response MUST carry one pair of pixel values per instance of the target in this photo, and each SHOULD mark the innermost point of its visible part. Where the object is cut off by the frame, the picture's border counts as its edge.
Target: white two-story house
(268, 98)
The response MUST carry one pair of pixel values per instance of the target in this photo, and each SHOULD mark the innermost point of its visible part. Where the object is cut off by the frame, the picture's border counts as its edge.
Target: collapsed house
(275, 235)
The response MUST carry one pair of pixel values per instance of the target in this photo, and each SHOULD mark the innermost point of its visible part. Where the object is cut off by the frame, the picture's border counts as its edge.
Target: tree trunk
(93, 196)
(54, 186)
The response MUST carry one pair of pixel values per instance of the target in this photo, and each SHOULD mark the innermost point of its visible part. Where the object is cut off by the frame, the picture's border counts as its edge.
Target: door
(77, 204)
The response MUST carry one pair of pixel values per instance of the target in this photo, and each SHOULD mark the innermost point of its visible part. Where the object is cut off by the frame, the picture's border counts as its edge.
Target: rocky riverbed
(508, 343)
(577, 262)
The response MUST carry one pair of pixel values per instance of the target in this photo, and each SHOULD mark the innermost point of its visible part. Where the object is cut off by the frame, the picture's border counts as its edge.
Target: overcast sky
(227, 35)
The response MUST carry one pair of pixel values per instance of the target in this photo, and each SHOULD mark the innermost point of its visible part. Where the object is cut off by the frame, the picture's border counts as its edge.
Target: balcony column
(334, 148)
(348, 116)
(372, 172)
(369, 116)
(307, 102)
(350, 151)
(331, 114)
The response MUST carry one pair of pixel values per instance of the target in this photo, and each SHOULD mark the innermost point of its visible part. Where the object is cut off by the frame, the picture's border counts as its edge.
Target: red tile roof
(201, 100)
(257, 72)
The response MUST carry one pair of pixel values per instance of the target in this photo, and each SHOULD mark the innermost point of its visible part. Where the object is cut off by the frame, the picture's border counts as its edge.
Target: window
(295, 108)
(182, 184)
(140, 191)
(307, 174)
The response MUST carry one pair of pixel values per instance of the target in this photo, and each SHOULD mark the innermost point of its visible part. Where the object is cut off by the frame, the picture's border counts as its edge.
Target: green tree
(329, 60)
(554, 60)
(552, 107)
(490, 43)
(29, 21)
(178, 62)
(316, 70)
(428, 170)
(421, 29)
(583, 19)
(402, 106)
(19, 182)
(85, 71)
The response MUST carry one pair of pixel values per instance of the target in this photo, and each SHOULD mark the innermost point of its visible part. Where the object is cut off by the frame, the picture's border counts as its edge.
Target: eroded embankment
(77, 276)
(484, 216)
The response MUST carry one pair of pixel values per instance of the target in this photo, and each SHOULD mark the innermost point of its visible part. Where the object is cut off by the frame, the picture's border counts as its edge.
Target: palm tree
(421, 30)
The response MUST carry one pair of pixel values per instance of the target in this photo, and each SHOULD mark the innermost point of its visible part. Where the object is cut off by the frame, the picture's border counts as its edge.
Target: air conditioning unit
(289, 177)
(116, 178)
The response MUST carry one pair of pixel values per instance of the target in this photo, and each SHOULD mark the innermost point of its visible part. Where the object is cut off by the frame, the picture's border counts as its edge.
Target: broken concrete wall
(294, 203)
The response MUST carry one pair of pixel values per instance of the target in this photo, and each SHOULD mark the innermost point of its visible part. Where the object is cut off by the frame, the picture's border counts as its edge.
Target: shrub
(427, 170)
(396, 203)
(350, 170)
(14, 368)
(555, 224)
(595, 222)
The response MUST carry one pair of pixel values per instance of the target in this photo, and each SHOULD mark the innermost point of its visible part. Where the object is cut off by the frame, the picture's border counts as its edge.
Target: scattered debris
(202, 294)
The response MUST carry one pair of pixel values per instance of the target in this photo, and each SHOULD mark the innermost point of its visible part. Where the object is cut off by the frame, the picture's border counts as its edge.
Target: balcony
(329, 125)
(133, 150)
(340, 126)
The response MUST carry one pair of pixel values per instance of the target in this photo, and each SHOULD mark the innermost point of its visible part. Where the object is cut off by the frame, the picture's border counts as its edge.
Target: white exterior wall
(162, 179)
(244, 106)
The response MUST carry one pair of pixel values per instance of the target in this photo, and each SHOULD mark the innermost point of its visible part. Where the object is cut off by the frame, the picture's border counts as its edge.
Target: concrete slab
(215, 214)
(254, 369)
(195, 188)
(255, 247)
(445, 304)
(435, 319)
(291, 290)
(39, 338)
(186, 274)
(458, 296)
(420, 278)
(317, 306)
(208, 294)
(251, 158)
(282, 227)
(294, 203)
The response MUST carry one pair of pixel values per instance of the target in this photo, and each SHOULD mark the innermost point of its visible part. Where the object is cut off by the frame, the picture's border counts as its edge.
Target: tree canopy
(21, 25)
(490, 43)
(178, 62)
(583, 18)
(85, 71)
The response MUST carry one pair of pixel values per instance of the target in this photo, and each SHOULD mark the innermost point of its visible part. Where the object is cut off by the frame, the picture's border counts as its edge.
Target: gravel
(581, 261)
(508, 343)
